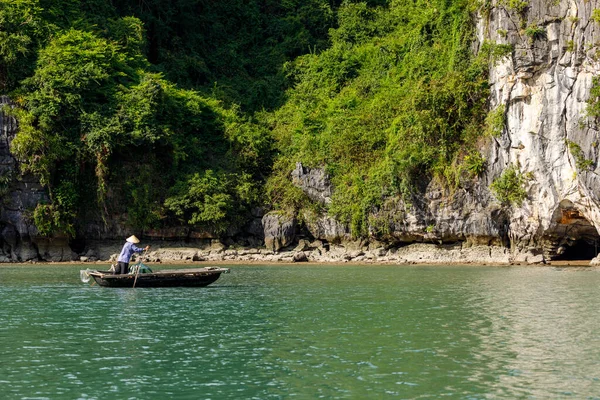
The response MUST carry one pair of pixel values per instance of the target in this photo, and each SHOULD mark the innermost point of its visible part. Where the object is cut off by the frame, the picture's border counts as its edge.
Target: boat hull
(194, 277)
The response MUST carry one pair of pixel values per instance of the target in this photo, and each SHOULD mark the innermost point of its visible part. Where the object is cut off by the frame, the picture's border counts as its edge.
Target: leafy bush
(231, 50)
(495, 121)
(22, 30)
(509, 187)
(495, 51)
(49, 220)
(517, 5)
(535, 32)
(475, 164)
(581, 162)
(593, 106)
(211, 199)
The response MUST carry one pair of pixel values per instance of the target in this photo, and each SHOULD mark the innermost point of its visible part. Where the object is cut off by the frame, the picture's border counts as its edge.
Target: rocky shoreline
(321, 253)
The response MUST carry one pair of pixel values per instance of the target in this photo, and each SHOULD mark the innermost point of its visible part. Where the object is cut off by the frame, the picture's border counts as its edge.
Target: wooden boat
(189, 277)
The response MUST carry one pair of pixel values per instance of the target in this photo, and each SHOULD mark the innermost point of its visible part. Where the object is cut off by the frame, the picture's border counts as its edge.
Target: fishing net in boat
(84, 275)
(140, 268)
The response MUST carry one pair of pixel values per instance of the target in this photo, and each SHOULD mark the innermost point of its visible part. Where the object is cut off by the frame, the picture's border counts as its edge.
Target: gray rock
(303, 245)
(217, 247)
(279, 230)
(537, 259)
(166, 254)
(255, 228)
(300, 257)
(314, 182)
(318, 244)
(326, 228)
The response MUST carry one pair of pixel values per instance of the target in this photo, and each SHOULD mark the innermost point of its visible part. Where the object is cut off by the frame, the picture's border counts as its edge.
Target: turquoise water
(304, 332)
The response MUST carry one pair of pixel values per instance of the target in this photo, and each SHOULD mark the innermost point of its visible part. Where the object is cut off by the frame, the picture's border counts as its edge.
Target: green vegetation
(475, 163)
(581, 162)
(593, 106)
(109, 135)
(509, 187)
(193, 112)
(495, 52)
(535, 32)
(397, 96)
(515, 5)
(495, 121)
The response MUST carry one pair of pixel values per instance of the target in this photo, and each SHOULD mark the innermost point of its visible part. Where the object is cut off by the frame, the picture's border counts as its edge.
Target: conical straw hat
(132, 239)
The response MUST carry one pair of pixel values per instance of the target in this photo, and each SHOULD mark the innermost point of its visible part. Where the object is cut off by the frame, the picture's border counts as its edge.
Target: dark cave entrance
(573, 237)
(578, 250)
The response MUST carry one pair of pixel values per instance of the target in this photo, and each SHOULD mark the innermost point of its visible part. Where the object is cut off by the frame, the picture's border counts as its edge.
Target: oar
(136, 275)
(138, 269)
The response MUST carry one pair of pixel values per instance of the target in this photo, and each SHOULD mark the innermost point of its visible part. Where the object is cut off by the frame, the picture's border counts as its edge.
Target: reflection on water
(308, 332)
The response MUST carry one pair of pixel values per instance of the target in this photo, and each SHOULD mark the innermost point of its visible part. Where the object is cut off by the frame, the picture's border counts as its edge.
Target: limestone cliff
(545, 86)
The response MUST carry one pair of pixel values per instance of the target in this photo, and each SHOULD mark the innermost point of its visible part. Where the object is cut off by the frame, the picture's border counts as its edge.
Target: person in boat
(128, 249)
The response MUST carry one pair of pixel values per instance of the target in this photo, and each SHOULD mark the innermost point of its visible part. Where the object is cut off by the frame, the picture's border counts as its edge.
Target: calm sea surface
(304, 332)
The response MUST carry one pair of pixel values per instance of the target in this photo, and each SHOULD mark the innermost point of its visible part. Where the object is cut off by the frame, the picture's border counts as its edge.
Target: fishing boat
(189, 277)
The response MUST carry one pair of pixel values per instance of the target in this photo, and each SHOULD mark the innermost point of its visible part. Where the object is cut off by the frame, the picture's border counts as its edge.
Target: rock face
(544, 87)
(326, 228)
(314, 181)
(279, 230)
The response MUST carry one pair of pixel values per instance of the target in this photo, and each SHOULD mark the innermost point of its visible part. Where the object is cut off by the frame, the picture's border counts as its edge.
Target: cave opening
(575, 238)
(578, 250)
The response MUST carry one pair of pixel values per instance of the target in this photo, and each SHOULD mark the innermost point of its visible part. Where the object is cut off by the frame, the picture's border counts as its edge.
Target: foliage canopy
(397, 96)
(180, 111)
